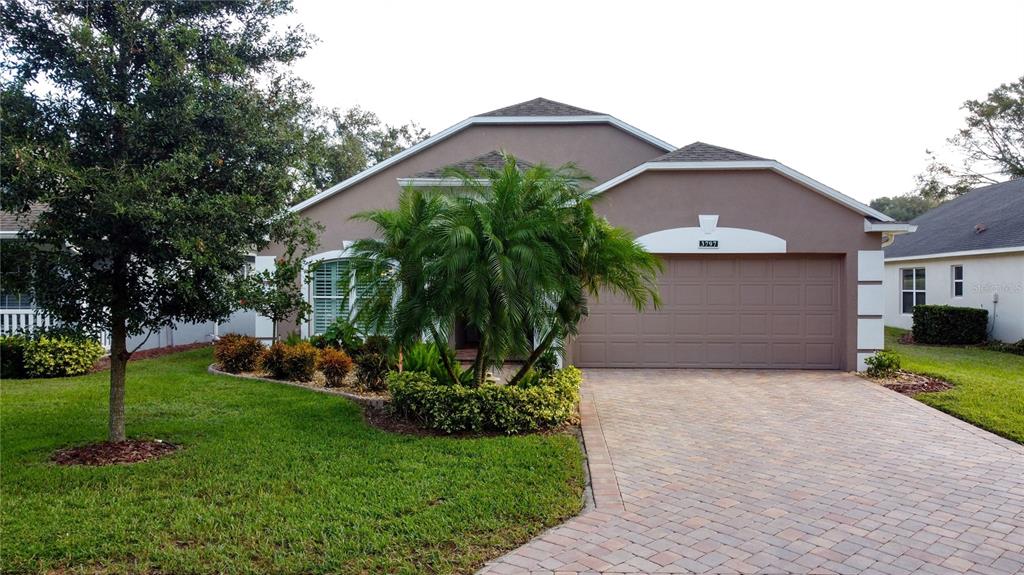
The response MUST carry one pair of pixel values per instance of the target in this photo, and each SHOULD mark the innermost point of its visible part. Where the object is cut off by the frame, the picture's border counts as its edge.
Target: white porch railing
(28, 320)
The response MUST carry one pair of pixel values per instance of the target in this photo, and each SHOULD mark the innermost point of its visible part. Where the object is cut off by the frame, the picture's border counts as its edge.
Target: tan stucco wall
(601, 150)
(758, 200)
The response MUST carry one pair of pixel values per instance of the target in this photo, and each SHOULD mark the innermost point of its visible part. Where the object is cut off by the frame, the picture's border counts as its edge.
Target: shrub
(293, 338)
(426, 357)
(290, 362)
(236, 353)
(883, 364)
(372, 363)
(503, 408)
(12, 356)
(335, 365)
(949, 325)
(546, 363)
(60, 356)
(344, 335)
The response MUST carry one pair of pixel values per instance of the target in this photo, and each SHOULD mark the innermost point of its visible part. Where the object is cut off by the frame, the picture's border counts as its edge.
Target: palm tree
(516, 252)
(392, 268)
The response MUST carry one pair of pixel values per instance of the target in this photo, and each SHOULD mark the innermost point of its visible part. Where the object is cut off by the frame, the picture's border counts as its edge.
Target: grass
(271, 479)
(988, 386)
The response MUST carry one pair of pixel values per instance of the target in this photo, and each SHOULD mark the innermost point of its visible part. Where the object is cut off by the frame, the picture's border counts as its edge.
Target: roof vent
(978, 228)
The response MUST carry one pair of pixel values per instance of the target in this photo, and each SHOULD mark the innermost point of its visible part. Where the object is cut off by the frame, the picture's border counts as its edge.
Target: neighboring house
(765, 267)
(966, 252)
(18, 312)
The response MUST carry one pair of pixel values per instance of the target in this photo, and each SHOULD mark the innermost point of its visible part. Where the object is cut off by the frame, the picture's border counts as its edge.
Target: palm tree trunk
(442, 347)
(479, 364)
(534, 356)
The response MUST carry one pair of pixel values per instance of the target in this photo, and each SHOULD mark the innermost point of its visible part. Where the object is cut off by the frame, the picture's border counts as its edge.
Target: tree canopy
(162, 139)
(991, 143)
(903, 208)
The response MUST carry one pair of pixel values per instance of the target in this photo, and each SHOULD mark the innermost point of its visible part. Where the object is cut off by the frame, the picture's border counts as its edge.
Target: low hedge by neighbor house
(542, 403)
(950, 325)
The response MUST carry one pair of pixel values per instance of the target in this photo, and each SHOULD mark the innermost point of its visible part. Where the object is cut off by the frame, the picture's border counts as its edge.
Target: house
(765, 266)
(18, 313)
(966, 252)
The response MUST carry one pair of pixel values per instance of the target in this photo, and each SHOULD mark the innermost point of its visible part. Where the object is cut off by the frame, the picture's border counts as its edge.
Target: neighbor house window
(912, 288)
(958, 281)
(330, 291)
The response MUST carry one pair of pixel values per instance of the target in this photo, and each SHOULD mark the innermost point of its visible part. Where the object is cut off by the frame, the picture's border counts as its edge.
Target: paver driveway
(781, 472)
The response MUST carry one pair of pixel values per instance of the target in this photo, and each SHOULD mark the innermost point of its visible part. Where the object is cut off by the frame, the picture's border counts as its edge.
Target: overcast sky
(849, 94)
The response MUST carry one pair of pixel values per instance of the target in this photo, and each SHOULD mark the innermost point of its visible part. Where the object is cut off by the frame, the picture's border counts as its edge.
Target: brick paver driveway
(781, 472)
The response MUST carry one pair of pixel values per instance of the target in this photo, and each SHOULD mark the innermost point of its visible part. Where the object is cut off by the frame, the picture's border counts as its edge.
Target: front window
(11, 279)
(958, 281)
(330, 286)
(912, 288)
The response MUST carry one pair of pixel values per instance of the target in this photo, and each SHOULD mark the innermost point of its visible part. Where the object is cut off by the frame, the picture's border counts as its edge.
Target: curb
(372, 402)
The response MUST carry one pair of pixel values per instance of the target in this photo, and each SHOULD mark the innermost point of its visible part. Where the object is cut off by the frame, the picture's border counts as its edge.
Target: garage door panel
(819, 296)
(745, 311)
(683, 294)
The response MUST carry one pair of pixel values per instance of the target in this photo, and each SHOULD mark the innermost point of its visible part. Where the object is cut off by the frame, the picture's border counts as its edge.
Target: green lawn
(272, 479)
(988, 385)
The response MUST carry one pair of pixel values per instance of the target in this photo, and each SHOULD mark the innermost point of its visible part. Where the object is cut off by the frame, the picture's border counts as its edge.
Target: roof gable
(576, 116)
(494, 160)
(987, 218)
(701, 156)
(539, 107)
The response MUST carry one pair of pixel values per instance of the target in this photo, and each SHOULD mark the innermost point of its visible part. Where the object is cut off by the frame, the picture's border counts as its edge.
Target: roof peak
(541, 107)
(704, 152)
(495, 159)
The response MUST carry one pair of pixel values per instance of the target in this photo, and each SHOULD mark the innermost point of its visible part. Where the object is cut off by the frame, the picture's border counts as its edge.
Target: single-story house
(765, 266)
(966, 252)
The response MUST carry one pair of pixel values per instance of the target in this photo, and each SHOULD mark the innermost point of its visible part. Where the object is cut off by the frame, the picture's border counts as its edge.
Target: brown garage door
(776, 312)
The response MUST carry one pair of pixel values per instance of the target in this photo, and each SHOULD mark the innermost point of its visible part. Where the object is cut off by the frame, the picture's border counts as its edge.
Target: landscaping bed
(911, 384)
(269, 478)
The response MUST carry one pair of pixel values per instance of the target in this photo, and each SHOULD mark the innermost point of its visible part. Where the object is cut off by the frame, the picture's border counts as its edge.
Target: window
(912, 288)
(12, 278)
(958, 281)
(330, 290)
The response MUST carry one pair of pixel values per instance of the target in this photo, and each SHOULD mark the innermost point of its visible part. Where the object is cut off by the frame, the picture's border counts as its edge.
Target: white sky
(848, 94)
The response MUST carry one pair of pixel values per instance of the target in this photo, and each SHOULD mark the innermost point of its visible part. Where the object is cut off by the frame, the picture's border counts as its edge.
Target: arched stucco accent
(718, 241)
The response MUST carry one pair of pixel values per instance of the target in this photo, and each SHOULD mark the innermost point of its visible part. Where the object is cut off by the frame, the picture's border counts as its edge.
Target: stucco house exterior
(765, 266)
(967, 252)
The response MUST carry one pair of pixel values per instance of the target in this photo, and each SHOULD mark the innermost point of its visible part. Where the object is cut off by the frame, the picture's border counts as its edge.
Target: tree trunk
(534, 356)
(442, 347)
(118, 369)
(400, 359)
(480, 363)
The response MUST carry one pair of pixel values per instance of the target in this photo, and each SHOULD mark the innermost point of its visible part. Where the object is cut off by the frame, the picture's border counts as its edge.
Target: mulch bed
(113, 453)
(912, 383)
(104, 362)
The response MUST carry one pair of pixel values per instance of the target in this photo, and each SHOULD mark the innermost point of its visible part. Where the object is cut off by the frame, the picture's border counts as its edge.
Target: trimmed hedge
(544, 403)
(237, 353)
(949, 325)
(60, 356)
(12, 356)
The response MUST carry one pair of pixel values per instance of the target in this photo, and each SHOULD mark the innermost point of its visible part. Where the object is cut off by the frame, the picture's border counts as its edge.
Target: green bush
(290, 362)
(949, 325)
(546, 363)
(60, 356)
(426, 357)
(342, 334)
(12, 356)
(334, 364)
(503, 408)
(236, 353)
(883, 364)
(372, 363)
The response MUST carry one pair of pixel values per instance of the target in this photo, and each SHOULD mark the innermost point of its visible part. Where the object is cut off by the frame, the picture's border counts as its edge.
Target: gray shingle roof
(982, 219)
(701, 152)
(541, 107)
(12, 222)
(493, 159)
